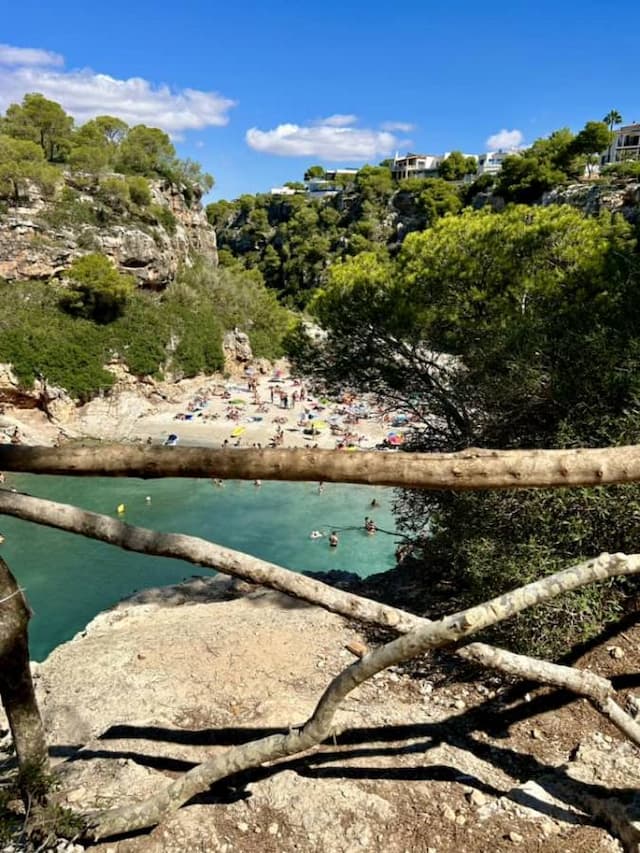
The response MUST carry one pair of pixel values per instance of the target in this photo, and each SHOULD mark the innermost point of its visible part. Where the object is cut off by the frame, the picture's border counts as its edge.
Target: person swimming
(369, 525)
(333, 539)
(315, 534)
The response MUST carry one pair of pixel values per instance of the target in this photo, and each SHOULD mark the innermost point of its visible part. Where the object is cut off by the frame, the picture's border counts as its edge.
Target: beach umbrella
(237, 431)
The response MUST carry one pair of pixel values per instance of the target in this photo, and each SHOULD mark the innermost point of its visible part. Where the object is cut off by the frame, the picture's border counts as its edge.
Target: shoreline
(245, 411)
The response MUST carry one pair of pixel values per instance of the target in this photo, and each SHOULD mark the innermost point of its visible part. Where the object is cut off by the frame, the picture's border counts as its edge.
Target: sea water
(68, 579)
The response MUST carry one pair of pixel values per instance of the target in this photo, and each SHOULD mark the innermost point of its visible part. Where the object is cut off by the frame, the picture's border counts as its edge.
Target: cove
(69, 579)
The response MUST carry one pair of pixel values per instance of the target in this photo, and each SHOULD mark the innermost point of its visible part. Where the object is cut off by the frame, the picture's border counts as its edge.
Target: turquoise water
(69, 579)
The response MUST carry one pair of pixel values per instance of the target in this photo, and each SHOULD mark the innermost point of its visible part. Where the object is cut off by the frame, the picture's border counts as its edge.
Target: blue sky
(257, 91)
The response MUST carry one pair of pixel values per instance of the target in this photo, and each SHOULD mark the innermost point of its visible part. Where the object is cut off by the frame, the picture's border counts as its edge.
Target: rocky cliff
(616, 195)
(41, 237)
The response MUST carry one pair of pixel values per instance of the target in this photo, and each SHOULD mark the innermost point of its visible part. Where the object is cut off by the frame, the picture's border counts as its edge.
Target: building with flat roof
(625, 145)
(415, 166)
(491, 162)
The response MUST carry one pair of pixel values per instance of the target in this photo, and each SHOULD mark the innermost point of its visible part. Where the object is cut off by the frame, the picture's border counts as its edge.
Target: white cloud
(327, 141)
(402, 126)
(10, 55)
(337, 120)
(85, 94)
(505, 139)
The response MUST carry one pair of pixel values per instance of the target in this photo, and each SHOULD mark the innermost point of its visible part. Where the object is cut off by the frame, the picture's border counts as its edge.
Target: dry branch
(470, 469)
(599, 691)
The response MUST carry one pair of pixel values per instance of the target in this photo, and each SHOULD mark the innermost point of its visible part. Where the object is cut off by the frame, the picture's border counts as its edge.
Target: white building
(415, 166)
(283, 191)
(321, 188)
(491, 162)
(625, 145)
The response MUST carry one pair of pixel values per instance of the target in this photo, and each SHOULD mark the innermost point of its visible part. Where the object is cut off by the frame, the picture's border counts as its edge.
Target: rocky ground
(426, 762)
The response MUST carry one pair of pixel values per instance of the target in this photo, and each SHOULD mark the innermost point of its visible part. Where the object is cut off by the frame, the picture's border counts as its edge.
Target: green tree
(524, 178)
(612, 118)
(501, 330)
(97, 290)
(22, 163)
(314, 172)
(456, 166)
(43, 121)
(146, 151)
(594, 138)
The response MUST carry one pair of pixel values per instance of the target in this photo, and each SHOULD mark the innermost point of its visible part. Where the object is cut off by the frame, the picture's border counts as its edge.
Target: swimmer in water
(333, 539)
(257, 482)
(369, 525)
(374, 503)
(315, 534)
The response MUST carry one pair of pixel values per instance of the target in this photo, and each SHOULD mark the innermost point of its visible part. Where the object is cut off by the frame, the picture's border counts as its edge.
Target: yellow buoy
(121, 508)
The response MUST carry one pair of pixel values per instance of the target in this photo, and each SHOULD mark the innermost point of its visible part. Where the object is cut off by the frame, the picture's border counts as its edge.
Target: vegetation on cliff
(501, 330)
(38, 139)
(295, 240)
(67, 335)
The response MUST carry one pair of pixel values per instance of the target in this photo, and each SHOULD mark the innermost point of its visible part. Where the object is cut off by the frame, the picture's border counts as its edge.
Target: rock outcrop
(617, 195)
(424, 762)
(40, 239)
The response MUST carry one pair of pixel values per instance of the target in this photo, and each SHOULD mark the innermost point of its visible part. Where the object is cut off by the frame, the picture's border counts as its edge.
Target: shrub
(139, 190)
(164, 217)
(98, 291)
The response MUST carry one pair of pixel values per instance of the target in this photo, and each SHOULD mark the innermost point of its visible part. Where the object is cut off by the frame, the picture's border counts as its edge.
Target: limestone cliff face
(41, 238)
(618, 196)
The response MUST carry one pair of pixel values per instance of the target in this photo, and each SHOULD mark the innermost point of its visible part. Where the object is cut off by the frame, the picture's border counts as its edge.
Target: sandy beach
(253, 408)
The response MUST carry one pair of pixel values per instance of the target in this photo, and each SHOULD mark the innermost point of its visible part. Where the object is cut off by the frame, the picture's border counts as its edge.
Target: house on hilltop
(625, 145)
(416, 166)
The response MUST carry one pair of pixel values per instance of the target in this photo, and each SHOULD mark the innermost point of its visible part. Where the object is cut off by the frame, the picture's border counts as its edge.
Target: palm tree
(611, 118)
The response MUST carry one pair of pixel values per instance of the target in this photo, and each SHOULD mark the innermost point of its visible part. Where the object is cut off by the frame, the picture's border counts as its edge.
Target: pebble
(536, 734)
(616, 652)
(476, 798)
(515, 837)
(273, 829)
(242, 826)
(448, 813)
(460, 704)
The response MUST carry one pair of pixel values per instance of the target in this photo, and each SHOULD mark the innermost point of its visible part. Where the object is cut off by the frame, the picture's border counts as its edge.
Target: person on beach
(333, 539)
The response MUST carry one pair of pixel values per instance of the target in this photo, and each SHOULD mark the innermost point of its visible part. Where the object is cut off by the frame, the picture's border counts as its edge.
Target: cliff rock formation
(41, 238)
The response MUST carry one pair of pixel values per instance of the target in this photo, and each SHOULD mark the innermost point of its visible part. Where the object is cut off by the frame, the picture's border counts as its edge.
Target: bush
(164, 217)
(627, 169)
(139, 191)
(98, 291)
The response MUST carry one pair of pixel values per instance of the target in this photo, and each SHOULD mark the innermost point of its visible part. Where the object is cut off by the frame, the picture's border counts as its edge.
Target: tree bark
(16, 686)
(468, 470)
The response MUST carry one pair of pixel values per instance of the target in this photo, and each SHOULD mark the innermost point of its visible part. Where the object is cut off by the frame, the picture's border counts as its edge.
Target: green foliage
(104, 144)
(532, 312)
(22, 162)
(612, 117)
(139, 191)
(456, 166)
(627, 169)
(524, 178)
(97, 291)
(314, 172)
(69, 209)
(41, 121)
(164, 217)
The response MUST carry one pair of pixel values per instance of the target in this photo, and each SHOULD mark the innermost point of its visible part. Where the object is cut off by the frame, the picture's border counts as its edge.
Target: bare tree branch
(599, 691)
(471, 469)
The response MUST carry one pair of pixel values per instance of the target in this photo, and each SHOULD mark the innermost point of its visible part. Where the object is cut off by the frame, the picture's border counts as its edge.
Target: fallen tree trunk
(16, 688)
(470, 469)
